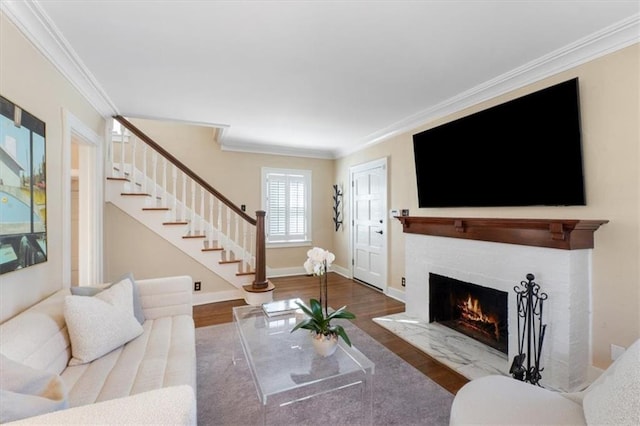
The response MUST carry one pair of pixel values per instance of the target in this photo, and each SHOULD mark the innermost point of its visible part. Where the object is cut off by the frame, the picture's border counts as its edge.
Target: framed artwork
(23, 191)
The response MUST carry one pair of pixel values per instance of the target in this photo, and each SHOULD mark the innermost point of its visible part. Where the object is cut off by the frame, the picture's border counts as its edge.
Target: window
(286, 198)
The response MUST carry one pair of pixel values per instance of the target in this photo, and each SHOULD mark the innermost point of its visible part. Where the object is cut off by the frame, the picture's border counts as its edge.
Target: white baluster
(244, 244)
(228, 236)
(122, 174)
(133, 143)
(252, 244)
(154, 174)
(144, 168)
(165, 202)
(174, 177)
(220, 236)
(210, 245)
(202, 221)
(193, 223)
(236, 235)
(184, 196)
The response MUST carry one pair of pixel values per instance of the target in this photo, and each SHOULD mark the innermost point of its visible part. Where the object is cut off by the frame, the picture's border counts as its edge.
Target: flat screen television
(524, 152)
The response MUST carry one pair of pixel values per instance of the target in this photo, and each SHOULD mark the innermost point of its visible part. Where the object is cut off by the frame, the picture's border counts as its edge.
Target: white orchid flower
(318, 261)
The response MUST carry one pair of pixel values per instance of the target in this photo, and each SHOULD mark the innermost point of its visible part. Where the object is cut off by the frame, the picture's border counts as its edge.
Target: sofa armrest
(166, 296)
(170, 406)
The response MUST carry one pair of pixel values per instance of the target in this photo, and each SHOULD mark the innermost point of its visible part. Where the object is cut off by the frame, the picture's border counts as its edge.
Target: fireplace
(476, 311)
(499, 253)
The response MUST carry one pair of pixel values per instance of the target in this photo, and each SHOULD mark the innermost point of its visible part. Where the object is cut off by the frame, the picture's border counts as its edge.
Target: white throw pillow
(27, 392)
(93, 290)
(614, 399)
(99, 324)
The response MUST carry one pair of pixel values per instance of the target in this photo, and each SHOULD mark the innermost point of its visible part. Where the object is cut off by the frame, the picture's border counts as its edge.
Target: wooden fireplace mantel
(567, 234)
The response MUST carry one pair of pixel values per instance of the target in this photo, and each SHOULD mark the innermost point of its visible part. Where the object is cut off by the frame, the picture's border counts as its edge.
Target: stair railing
(190, 200)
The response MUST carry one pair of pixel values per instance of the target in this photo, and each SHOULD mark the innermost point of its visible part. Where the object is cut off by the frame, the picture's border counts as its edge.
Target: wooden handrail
(186, 170)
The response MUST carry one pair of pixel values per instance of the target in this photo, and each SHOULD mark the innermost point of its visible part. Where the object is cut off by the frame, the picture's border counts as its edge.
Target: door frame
(385, 228)
(91, 199)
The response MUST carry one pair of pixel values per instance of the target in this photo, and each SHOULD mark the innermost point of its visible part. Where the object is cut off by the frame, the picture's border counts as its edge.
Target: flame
(472, 311)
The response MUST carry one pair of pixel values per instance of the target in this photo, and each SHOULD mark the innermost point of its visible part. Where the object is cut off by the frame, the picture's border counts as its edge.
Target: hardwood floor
(365, 302)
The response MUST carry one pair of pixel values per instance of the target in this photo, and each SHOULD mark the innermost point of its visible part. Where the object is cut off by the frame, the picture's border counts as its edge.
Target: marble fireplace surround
(498, 253)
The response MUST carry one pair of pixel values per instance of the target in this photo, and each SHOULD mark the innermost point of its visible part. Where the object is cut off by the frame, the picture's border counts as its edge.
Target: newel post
(261, 290)
(261, 269)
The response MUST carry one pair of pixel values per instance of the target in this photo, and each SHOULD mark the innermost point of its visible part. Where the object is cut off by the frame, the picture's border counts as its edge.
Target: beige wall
(29, 80)
(238, 177)
(132, 247)
(610, 95)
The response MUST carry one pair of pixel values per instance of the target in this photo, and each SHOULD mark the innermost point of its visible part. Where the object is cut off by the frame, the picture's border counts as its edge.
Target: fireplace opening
(476, 311)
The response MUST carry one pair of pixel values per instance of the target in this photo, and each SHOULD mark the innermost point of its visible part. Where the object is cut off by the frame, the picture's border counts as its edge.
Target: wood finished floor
(365, 302)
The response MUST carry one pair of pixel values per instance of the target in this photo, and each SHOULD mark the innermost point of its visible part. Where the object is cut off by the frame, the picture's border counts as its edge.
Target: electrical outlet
(243, 207)
(404, 281)
(616, 351)
(197, 286)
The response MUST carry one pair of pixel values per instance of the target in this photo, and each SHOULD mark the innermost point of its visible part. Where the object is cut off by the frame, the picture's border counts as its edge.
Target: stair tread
(136, 194)
(175, 223)
(213, 249)
(223, 262)
(195, 236)
(155, 208)
(124, 179)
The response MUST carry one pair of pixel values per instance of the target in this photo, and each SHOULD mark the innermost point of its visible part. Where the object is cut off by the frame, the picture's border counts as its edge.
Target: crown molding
(272, 149)
(33, 22)
(608, 40)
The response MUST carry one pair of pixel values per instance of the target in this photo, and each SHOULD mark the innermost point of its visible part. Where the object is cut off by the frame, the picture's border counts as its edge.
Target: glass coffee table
(287, 372)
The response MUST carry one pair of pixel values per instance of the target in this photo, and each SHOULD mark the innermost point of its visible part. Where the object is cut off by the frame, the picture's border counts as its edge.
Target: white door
(369, 223)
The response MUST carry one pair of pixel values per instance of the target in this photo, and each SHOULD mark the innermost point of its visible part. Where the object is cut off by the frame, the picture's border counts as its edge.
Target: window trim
(307, 178)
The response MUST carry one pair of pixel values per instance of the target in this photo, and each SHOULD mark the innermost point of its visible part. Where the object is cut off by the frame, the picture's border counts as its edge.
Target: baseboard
(299, 270)
(394, 293)
(285, 272)
(204, 297)
(345, 272)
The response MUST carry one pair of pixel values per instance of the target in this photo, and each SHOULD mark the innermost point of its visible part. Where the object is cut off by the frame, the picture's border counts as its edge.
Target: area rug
(402, 395)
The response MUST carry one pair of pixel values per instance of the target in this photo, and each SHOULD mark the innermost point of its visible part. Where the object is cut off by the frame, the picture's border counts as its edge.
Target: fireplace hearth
(476, 311)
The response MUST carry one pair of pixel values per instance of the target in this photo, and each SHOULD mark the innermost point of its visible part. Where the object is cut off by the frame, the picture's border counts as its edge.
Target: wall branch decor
(337, 206)
(23, 196)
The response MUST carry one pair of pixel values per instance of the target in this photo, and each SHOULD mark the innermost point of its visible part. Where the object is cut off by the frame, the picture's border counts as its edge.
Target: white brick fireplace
(563, 273)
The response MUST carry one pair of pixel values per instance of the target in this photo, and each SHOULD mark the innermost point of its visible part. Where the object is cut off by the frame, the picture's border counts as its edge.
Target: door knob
(378, 232)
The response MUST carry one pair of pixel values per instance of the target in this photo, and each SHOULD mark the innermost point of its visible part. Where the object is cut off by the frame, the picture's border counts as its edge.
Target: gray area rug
(227, 396)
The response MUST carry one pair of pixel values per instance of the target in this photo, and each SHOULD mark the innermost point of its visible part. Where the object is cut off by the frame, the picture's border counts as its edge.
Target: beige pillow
(99, 324)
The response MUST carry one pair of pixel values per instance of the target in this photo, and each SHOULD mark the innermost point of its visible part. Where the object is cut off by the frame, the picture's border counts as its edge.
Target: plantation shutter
(287, 206)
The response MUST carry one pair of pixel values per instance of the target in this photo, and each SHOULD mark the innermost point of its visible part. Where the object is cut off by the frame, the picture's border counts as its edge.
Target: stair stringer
(154, 219)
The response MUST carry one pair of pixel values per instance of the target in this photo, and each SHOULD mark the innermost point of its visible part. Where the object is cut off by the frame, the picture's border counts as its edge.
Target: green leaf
(339, 330)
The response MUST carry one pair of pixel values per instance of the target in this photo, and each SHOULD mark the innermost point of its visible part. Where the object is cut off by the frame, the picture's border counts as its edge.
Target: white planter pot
(324, 345)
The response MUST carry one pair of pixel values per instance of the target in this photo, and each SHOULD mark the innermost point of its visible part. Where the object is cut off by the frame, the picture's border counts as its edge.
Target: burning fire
(472, 315)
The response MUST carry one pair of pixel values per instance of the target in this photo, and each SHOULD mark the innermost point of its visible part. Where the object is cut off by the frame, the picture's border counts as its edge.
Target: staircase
(156, 189)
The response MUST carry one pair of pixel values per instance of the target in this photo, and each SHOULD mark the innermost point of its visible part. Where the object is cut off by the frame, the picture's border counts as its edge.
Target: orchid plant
(318, 263)
(318, 318)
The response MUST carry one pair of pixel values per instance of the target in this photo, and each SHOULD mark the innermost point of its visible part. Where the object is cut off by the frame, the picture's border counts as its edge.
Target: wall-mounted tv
(524, 152)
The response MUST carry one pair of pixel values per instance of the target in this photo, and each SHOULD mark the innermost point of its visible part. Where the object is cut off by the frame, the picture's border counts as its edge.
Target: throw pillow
(615, 399)
(92, 291)
(27, 392)
(99, 324)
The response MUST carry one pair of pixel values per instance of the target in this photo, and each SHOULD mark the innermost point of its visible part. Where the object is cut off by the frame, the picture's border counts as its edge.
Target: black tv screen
(524, 152)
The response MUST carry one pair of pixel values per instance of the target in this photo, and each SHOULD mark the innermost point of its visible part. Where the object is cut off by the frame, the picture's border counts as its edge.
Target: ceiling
(314, 78)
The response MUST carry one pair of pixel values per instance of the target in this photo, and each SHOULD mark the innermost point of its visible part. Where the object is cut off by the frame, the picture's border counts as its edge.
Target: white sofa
(150, 379)
(613, 399)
